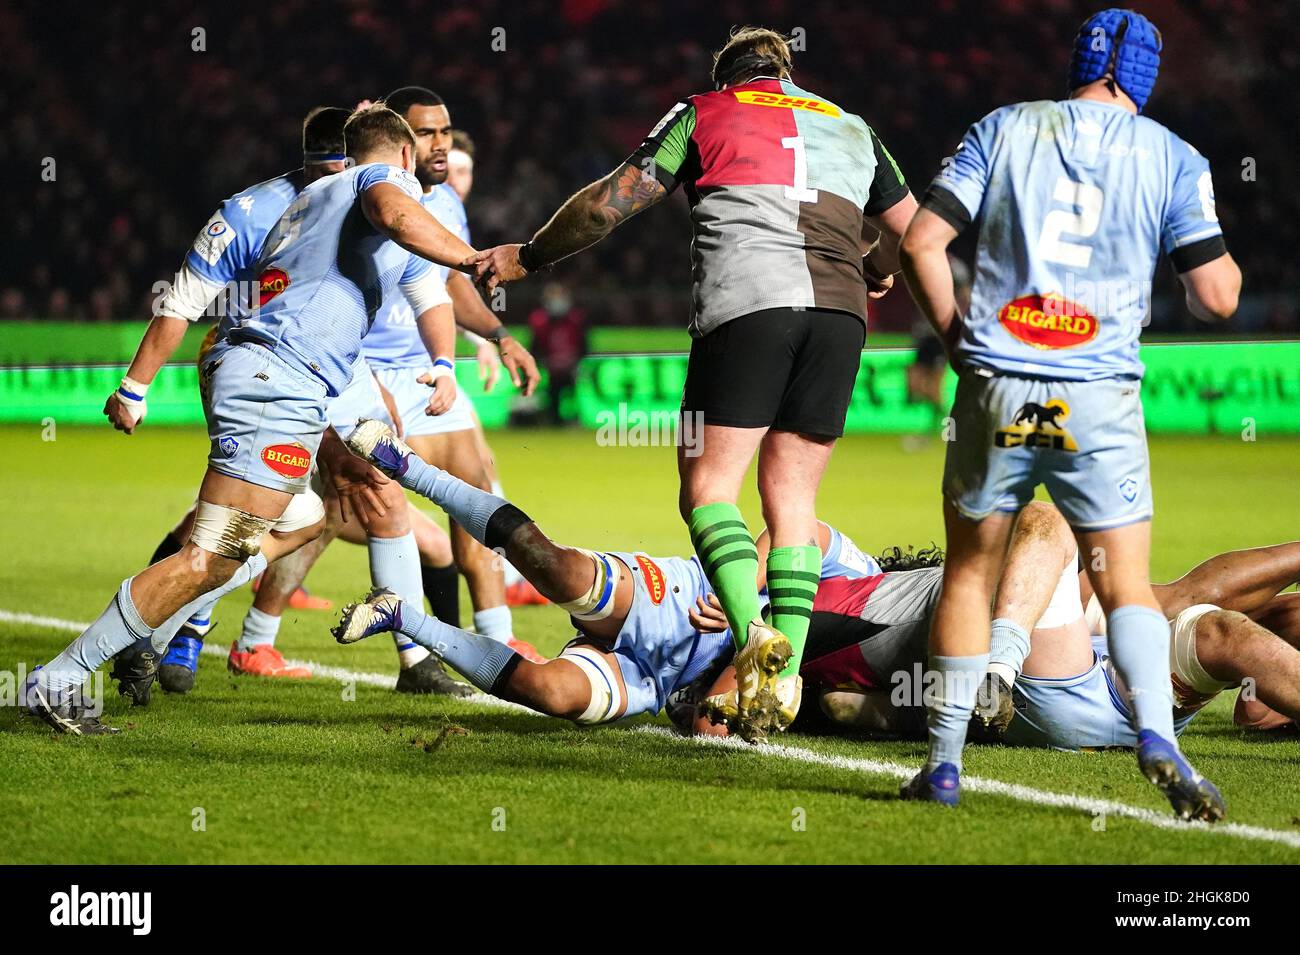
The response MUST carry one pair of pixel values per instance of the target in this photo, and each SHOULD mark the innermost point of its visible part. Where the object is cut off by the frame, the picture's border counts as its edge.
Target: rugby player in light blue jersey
(395, 351)
(345, 245)
(1075, 200)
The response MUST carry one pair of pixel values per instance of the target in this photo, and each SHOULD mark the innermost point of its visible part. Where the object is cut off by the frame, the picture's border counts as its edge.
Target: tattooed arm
(588, 216)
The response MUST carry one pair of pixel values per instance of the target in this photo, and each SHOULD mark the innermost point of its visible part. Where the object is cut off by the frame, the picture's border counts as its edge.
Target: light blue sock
(480, 658)
(950, 706)
(466, 505)
(259, 628)
(1139, 645)
(1008, 648)
(495, 623)
(113, 631)
(242, 575)
(395, 564)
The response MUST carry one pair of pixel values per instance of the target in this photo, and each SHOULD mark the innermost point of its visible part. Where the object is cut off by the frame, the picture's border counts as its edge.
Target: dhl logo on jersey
(1048, 321)
(655, 582)
(757, 98)
(290, 460)
(271, 283)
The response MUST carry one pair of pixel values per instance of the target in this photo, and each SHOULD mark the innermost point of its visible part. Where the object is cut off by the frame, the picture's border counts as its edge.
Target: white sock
(259, 628)
(494, 623)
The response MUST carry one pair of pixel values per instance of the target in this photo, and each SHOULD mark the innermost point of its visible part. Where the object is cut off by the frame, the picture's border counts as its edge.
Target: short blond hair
(375, 128)
(750, 52)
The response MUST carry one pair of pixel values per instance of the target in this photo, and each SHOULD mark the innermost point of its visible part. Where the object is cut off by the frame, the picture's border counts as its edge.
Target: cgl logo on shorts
(289, 460)
(228, 446)
(1128, 489)
(655, 582)
(1038, 426)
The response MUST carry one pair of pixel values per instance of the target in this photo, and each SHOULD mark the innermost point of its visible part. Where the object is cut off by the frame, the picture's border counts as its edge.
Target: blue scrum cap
(1122, 44)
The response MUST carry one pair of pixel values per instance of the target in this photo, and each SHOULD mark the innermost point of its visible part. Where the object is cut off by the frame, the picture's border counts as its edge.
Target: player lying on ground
(636, 643)
(1231, 625)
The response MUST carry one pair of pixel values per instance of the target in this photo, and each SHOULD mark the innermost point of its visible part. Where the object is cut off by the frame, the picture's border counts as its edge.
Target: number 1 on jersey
(799, 191)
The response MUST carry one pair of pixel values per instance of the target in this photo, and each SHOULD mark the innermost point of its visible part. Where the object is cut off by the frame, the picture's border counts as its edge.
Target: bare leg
(1233, 648)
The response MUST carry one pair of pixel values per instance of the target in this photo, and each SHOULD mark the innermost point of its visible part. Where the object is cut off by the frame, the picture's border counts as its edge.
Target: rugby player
(1077, 199)
(780, 182)
(223, 257)
(637, 643)
(347, 243)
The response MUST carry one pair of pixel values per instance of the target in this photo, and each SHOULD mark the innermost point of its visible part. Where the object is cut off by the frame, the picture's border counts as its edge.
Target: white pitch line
(872, 767)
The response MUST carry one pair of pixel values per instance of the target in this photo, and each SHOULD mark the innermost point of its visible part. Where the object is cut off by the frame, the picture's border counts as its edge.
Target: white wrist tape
(474, 338)
(131, 394)
(442, 367)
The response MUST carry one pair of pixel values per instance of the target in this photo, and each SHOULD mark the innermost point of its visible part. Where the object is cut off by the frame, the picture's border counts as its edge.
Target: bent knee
(556, 688)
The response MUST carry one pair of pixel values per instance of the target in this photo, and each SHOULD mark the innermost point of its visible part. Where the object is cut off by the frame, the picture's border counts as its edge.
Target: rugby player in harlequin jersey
(345, 243)
(1075, 201)
(784, 186)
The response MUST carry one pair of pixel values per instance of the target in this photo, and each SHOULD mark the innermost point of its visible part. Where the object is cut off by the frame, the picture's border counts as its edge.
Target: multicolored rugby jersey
(1075, 199)
(393, 340)
(779, 181)
(325, 272)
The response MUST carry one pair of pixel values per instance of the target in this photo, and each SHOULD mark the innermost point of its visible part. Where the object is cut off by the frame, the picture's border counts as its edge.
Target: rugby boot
(941, 784)
(263, 660)
(429, 676)
(994, 709)
(180, 663)
(135, 669)
(74, 716)
(1191, 794)
(379, 444)
(379, 612)
(758, 665)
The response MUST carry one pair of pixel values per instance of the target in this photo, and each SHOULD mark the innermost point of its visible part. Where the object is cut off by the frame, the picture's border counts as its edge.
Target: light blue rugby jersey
(394, 341)
(228, 247)
(1075, 201)
(324, 274)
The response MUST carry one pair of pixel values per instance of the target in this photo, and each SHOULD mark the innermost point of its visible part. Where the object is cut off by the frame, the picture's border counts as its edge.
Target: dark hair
(894, 559)
(401, 100)
(749, 52)
(322, 131)
(374, 128)
(461, 140)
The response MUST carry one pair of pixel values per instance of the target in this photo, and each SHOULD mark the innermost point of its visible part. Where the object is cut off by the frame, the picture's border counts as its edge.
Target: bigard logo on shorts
(655, 582)
(289, 460)
(270, 284)
(1038, 426)
(1048, 321)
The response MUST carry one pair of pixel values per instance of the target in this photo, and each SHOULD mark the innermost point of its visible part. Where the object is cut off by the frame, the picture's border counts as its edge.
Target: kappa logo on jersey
(213, 241)
(290, 460)
(246, 203)
(1038, 426)
(1048, 321)
(271, 283)
(655, 582)
(781, 101)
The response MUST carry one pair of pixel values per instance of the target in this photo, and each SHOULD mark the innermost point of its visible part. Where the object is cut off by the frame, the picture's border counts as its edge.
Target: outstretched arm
(589, 215)
(402, 219)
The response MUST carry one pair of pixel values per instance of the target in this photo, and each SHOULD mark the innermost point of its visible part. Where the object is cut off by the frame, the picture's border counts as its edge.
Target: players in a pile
(1076, 200)
(651, 635)
(782, 185)
(347, 243)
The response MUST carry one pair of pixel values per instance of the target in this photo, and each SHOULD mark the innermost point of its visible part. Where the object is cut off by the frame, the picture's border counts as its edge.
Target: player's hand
(444, 393)
(879, 288)
(122, 417)
(519, 363)
(391, 404)
(489, 365)
(357, 484)
(497, 265)
(707, 616)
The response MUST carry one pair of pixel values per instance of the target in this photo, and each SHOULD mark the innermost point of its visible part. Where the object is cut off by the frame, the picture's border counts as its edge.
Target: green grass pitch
(299, 773)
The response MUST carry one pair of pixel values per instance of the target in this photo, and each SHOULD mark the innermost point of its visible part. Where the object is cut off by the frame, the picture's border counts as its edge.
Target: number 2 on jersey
(1083, 223)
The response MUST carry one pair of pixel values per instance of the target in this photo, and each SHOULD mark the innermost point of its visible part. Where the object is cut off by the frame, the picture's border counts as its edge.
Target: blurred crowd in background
(149, 134)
